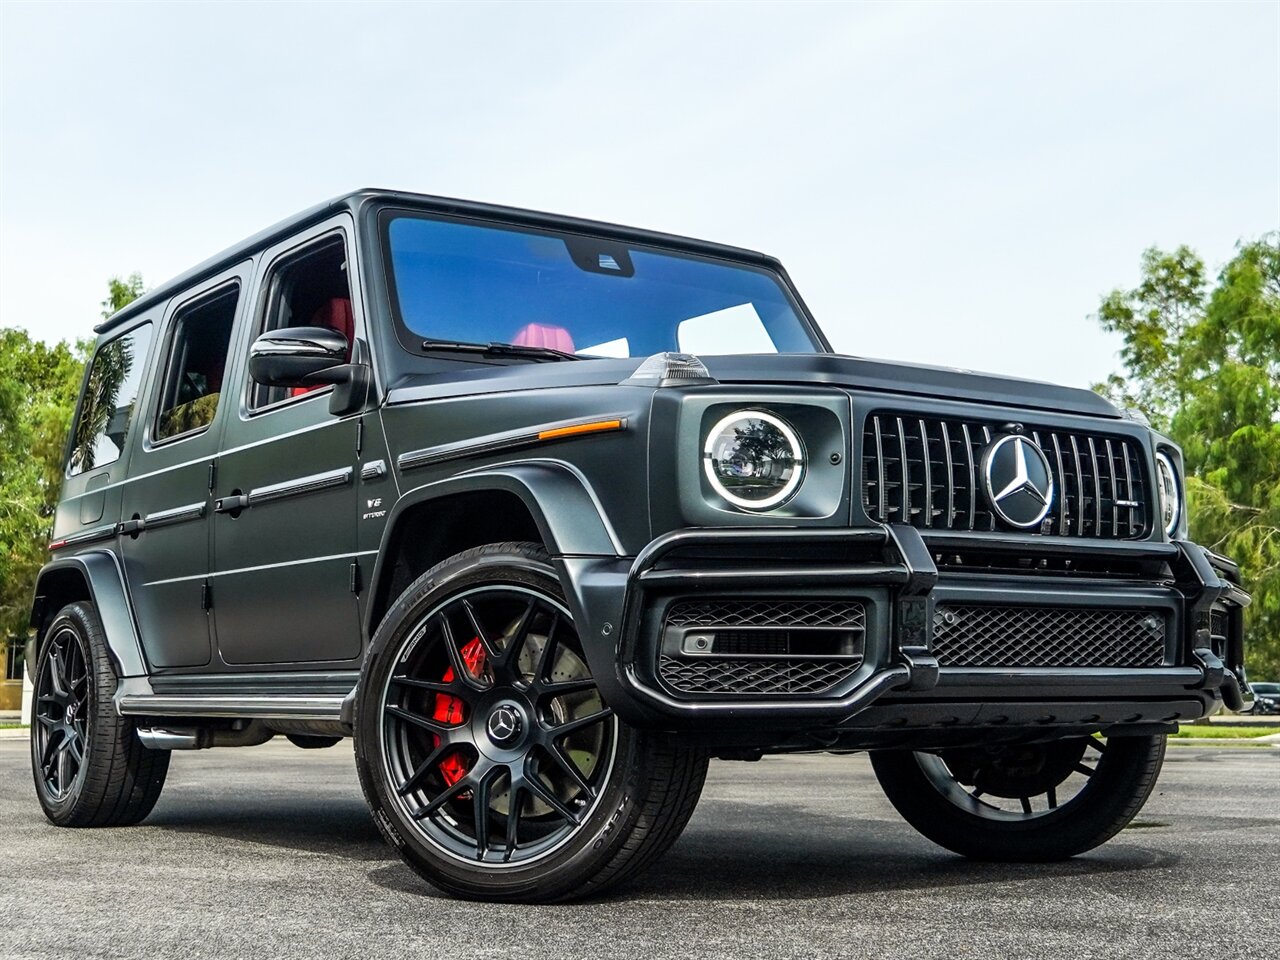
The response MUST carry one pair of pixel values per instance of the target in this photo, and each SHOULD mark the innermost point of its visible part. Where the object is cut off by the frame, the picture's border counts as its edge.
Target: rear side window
(197, 362)
(110, 393)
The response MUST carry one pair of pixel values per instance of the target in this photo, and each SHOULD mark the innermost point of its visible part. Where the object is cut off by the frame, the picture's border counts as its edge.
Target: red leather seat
(544, 335)
(333, 315)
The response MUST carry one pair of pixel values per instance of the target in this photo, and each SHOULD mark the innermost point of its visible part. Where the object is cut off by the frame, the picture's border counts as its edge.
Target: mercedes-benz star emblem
(504, 724)
(1019, 482)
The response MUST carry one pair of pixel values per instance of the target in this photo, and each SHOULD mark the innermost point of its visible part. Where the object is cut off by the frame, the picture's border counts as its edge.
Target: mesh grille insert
(767, 613)
(719, 675)
(995, 636)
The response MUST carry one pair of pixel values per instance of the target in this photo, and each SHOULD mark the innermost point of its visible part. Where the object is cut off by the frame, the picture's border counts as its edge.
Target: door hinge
(213, 475)
(355, 578)
(359, 435)
(206, 596)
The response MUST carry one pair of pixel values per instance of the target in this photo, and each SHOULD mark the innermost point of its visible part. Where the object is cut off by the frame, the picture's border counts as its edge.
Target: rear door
(167, 500)
(284, 526)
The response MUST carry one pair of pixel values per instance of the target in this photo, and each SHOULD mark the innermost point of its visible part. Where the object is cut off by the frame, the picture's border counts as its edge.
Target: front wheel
(1026, 802)
(487, 755)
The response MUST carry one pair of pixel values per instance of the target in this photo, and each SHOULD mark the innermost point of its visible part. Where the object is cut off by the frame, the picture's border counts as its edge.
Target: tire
(90, 768)
(574, 836)
(933, 798)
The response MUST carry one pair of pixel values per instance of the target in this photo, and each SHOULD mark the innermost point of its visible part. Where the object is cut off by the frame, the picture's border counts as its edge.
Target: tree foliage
(1204, 365)
(38, 388)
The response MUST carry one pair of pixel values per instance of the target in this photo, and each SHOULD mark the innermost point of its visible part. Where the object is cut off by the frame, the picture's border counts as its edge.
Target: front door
(285, 509)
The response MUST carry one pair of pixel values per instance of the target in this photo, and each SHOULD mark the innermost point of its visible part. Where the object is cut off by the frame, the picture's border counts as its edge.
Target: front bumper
(899, 692)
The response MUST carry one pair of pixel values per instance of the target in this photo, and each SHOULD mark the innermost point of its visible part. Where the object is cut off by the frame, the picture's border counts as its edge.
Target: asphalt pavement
(268, 852)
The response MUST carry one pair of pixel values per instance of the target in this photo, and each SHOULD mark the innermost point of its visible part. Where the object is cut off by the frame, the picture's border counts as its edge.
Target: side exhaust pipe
(249, 734)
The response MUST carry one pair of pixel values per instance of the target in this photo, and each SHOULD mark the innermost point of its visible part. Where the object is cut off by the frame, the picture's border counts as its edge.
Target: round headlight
(1170, 500)
(753, 459)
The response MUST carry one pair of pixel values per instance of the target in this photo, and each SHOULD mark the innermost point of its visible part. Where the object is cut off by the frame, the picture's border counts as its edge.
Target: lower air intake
(728, 646)
(997, 636)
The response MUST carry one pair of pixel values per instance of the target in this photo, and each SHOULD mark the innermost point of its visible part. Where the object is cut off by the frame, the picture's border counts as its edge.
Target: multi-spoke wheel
(61, 714)
(89, 767)
(1045, 801)
(486, 750)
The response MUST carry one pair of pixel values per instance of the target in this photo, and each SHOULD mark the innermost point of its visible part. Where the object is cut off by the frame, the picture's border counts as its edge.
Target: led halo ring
(797, 452)
(1165, 468)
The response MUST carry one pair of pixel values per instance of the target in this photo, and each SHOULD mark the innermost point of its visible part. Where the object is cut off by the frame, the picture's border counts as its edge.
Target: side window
(197, 360)
(110, 393)
(307, 289)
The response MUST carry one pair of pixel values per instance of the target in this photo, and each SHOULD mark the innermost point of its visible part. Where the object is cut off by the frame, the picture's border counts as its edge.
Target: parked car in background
(1266, 699)
(545, 513)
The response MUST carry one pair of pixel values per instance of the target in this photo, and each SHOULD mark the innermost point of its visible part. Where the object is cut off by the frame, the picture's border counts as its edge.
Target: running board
(249, 707)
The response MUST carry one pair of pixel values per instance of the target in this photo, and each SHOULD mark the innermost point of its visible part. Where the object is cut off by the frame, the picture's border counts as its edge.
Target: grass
(13, 726)
(1219, 731)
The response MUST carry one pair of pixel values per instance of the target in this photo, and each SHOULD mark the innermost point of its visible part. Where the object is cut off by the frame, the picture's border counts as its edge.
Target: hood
(888, 376)
(885, 376)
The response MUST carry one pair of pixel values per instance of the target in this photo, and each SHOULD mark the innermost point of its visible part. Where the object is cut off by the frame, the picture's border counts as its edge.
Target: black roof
(356, 199)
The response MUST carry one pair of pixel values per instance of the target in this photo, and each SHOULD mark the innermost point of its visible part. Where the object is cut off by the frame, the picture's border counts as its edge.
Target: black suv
(546, 512)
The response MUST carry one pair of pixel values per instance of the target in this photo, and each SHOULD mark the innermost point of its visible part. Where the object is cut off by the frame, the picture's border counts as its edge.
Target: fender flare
(564, 508)
(104, 582)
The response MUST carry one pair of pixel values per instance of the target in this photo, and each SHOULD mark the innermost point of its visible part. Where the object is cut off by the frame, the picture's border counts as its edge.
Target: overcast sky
(951, 184)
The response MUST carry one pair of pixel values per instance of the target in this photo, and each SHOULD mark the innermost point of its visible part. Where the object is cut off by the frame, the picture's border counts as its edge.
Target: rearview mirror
(299, 357)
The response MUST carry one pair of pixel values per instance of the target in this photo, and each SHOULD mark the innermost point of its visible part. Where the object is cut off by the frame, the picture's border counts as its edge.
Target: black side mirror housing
(298, 357)
(307, 356)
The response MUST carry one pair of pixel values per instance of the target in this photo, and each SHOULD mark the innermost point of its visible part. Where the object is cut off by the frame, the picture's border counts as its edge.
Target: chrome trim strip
(163, 518)
(89, 536)
(265, 566)
(271, 708)
(300, 486)
(496, 442)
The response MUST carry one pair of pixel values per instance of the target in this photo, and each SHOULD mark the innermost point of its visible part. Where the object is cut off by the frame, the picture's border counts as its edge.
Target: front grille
(999, 636)
(755, 676)
(927, 471)
(753, 647)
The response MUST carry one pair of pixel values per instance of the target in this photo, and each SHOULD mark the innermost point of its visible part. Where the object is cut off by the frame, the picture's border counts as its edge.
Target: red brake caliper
(449, 709)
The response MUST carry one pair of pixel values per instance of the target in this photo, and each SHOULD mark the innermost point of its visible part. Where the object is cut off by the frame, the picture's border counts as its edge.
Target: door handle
(232, 504)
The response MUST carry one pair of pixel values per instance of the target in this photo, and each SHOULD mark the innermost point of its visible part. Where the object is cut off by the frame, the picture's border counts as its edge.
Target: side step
(247, 707)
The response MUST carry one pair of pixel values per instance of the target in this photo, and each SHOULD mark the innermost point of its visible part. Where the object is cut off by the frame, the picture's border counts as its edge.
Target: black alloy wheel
(485, 748)
(60, 736)
(89, 766)
(497, 744)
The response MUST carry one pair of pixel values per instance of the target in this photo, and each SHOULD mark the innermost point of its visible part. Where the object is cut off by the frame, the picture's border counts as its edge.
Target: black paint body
(241, 571)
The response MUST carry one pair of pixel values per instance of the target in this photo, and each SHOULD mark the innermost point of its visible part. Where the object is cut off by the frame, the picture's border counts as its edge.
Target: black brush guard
(893, 568)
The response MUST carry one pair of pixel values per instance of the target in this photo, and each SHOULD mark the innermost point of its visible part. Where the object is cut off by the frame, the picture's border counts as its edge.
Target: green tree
(1204, 365)
(38, 388)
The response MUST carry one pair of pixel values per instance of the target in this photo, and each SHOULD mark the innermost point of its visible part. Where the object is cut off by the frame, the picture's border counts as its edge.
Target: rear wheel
(486, 752)
(1026, 802)
(90, 768)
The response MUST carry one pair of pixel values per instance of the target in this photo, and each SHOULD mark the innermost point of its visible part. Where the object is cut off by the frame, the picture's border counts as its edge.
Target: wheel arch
(94, 576)
(543, 501)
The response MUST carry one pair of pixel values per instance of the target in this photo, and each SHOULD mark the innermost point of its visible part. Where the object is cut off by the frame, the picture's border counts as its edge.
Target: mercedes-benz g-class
(545, 513)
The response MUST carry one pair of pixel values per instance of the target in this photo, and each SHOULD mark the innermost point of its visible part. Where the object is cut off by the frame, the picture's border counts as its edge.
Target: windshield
(459, 281)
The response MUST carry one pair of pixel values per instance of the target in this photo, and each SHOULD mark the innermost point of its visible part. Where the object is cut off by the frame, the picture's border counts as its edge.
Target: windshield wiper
(498, 349)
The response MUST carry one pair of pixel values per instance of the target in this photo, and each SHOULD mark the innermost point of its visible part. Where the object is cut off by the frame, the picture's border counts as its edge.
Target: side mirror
(299, 357)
